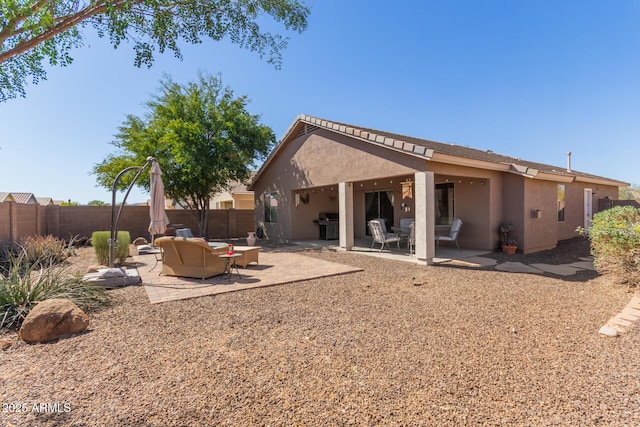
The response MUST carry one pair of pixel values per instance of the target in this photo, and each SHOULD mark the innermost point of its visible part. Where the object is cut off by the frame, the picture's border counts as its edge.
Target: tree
(629, 193)
(97, 203)
(32, 31)
(69, 203)
(202, 136)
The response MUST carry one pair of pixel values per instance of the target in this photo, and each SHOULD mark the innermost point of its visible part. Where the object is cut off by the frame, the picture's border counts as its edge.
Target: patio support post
(345, 211)
(425, 217)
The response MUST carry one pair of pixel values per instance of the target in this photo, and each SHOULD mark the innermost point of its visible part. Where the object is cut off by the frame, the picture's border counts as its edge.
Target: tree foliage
(202, 136)
(615, 242)
(33, 31)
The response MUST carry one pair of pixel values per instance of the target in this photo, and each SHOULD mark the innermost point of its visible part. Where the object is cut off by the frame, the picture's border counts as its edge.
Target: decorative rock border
(619, 324)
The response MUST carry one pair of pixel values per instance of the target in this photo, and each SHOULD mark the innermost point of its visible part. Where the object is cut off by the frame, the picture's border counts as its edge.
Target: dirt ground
(396, 344)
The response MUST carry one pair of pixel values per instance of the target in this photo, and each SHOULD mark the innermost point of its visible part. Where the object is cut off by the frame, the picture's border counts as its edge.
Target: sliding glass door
(379, 204)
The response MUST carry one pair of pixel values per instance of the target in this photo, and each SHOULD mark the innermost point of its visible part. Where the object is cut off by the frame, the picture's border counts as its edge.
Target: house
(236, 197)
(320, 167)
(45, 201)
(23, 198)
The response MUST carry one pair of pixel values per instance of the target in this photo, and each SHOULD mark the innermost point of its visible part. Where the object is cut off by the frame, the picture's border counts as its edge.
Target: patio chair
(184, 232)
(453, 234)
(411, 240)
(383, 224)
(405, 223)
(379, 236)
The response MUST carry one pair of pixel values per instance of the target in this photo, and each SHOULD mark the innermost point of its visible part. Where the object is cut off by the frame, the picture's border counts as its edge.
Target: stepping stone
(517, 267)
(560, 270)
(478, 260)
(585, 265)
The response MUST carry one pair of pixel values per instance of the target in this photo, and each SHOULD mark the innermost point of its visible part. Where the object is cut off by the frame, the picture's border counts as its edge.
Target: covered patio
(443, 254)
(431, 200)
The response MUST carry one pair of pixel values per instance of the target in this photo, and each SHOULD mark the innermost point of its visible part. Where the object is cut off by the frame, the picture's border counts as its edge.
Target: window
(561, 189)
(270, 207)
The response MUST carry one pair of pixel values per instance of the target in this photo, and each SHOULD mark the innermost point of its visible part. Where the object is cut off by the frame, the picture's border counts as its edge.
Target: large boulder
(52, 319)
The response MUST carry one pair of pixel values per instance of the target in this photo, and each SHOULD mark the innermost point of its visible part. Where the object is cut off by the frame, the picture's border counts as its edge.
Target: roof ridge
(459, 150)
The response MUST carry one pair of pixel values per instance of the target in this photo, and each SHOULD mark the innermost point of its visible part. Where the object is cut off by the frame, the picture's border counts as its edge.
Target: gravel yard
(396, 344)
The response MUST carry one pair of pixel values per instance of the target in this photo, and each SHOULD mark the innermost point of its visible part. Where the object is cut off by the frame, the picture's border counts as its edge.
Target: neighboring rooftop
(25, 198)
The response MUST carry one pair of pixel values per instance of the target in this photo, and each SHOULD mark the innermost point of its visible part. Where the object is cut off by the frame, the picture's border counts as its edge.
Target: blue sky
(529, 79)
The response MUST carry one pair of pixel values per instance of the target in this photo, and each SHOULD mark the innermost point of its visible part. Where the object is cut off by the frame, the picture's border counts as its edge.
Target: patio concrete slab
(276, 268)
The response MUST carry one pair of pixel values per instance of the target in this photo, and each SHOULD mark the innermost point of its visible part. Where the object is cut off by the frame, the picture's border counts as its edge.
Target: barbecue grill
(328, 223)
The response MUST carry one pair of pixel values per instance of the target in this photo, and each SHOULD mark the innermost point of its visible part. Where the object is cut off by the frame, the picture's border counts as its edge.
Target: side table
(230, 264)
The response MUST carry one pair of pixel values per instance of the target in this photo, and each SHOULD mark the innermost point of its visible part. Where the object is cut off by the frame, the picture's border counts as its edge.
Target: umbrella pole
(116, 220)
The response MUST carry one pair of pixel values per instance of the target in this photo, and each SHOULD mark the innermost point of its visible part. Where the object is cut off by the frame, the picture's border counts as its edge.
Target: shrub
(100, 241)
(615, 243)
(25, 285)
(43, 251)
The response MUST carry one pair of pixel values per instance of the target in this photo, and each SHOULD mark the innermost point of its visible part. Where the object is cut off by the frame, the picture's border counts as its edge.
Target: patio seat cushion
(190, 257)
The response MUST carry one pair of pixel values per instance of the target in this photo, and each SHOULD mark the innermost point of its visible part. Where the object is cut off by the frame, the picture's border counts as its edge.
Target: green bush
(24, 285)
(100, 241)
(615, 243)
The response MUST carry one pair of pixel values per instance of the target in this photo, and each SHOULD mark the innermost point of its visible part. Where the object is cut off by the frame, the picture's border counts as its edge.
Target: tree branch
(60, 27)
(9, 29)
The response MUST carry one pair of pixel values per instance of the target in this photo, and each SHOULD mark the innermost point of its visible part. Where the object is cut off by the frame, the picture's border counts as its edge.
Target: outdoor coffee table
(249, 254)
(230, 264)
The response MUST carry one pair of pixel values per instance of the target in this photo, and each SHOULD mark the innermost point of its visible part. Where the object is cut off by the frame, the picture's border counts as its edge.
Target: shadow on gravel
(579, 276)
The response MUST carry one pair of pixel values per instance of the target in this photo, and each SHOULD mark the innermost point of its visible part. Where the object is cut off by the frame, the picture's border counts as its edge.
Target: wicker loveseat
(190, 257)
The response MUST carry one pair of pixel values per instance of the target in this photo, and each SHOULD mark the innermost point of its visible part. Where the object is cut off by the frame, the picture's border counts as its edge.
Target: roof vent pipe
(568, 161)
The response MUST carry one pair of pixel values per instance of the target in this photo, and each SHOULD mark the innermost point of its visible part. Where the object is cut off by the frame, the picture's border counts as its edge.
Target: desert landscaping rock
(608, 331)
(468, 347)
(53, 319)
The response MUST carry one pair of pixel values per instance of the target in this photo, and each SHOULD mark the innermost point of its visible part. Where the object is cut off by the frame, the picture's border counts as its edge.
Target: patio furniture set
(187, 256)
(407, 231)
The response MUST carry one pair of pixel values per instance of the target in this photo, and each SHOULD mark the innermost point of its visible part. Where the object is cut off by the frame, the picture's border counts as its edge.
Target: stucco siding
(540, 233)
(315, 160)
(513, 204)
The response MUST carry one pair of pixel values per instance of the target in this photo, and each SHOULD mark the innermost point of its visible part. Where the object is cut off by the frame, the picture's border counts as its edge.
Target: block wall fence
(19, 221)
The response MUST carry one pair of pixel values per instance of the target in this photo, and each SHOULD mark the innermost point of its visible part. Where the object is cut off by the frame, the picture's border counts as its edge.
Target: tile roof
(24, 198)
(438, 151)
(45, 200)
(18, 197)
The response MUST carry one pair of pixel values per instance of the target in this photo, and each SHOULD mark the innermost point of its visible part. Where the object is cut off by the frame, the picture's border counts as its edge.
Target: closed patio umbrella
(158, 216)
